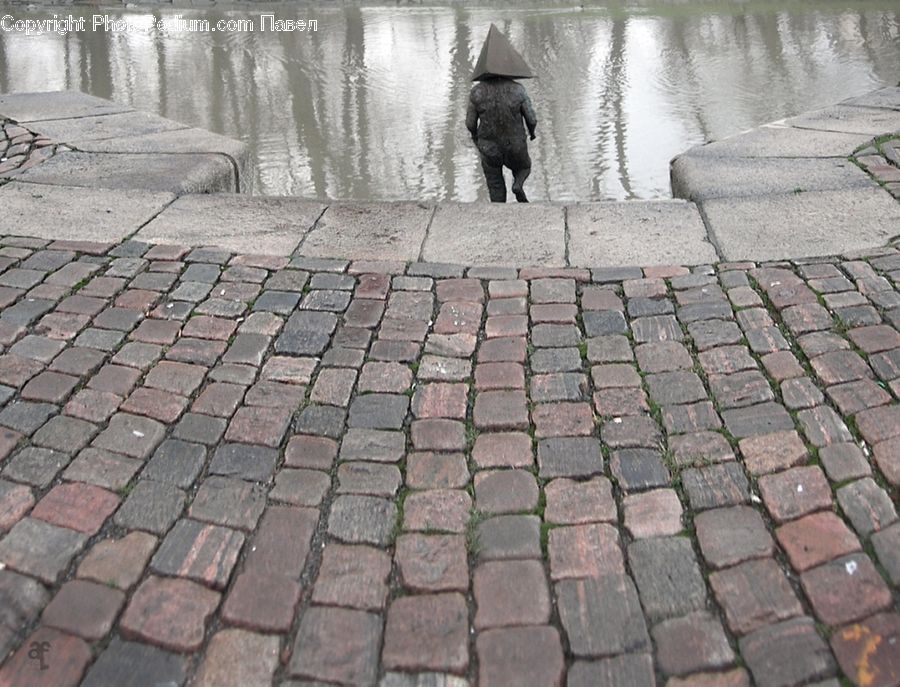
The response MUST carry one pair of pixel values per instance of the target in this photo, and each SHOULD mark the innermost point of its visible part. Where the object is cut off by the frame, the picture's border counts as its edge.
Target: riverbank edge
(791, 189)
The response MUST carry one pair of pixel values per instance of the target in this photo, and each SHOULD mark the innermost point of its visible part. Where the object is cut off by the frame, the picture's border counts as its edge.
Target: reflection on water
(372, 105)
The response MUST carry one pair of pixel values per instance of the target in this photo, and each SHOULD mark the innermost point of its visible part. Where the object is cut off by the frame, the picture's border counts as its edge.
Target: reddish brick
(162, 332)
(458, 318)
(887, 457)
(499, 376)
(15, 370)
(373, 286)
(281, 544)
(728, 536)
(433, 562)
(554, 313)
(338, 645)
(51, 387)
(867, 650)
(585, 551)
(879, 424)
(837, 367)
(505, 491)
(594, 298)
(509, 349)
(262, 601)
(80, 507)
(257, 425)
(875, 339)
(132, 299)
(782, 365)
(469, 290)
(504, 449)
(795, 492)
(500, 326)
(334, 386)
(66, 659)
(438, 435)
(501, 604)
(171, 613)
(15, 501)
(754, 594)
(428, 632)
(443, 510)
(501, 410)
(441, 401)
(846, 589)
(732, 678)
(816, 539)
(523, 656)
(203, 553)
(238, 657)
(615, 375)
(652, 514)
(180, 378)
(219, 399)
(62, 326)
(384, 377)
(563, 420)
(160, 405)
(354, 576)
(118, 562)
(204, 327)
(436, 471)
(93, 405)
(84, 608)
(691, 643)
(852, 397)
(771, 452)
(310, 452)
(575, 503)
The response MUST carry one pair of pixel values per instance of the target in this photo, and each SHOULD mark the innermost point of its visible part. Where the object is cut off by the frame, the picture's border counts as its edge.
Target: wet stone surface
(329, 472)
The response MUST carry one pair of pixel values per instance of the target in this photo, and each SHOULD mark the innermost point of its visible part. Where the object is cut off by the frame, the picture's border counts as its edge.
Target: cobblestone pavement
(21, 149)
(881, 159)
(238, 470)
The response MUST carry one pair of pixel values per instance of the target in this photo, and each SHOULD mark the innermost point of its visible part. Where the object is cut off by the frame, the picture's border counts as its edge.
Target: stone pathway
(21, 149)
(235, 470)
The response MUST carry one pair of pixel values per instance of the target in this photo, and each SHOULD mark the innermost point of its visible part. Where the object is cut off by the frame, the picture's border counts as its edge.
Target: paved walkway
(234, 470)
(784, 190)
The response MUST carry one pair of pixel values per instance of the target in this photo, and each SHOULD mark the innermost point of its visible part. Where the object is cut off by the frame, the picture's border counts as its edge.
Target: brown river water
(372, 104)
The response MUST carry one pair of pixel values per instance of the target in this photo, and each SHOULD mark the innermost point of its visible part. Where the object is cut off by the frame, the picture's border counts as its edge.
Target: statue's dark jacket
(499, 112)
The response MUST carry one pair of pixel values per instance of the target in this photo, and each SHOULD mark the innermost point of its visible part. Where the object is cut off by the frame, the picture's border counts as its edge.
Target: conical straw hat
(499, 58)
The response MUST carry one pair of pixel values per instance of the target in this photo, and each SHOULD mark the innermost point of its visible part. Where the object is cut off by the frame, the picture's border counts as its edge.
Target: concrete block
(802, 225)
(884, 97)
(666, 232)
(510, 234)
(75, 213)
(701, 177)
(178, 174)
(36, 107)
(241, 224)
(369, 231)
(849, 119)
(79, 131)
(782, 141)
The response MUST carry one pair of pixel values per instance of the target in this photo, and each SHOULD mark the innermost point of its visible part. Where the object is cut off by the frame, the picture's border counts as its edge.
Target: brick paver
(317, 471)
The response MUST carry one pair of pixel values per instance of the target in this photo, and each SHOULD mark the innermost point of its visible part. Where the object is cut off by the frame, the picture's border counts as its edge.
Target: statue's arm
(472, 119)
(529, 115)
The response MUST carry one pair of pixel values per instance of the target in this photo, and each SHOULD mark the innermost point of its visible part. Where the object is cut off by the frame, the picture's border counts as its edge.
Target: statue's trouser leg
(519, 177)
(495, 182)
(519, 162)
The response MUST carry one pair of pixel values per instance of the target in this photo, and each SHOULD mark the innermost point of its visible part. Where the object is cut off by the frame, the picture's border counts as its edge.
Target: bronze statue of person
(499, 110)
